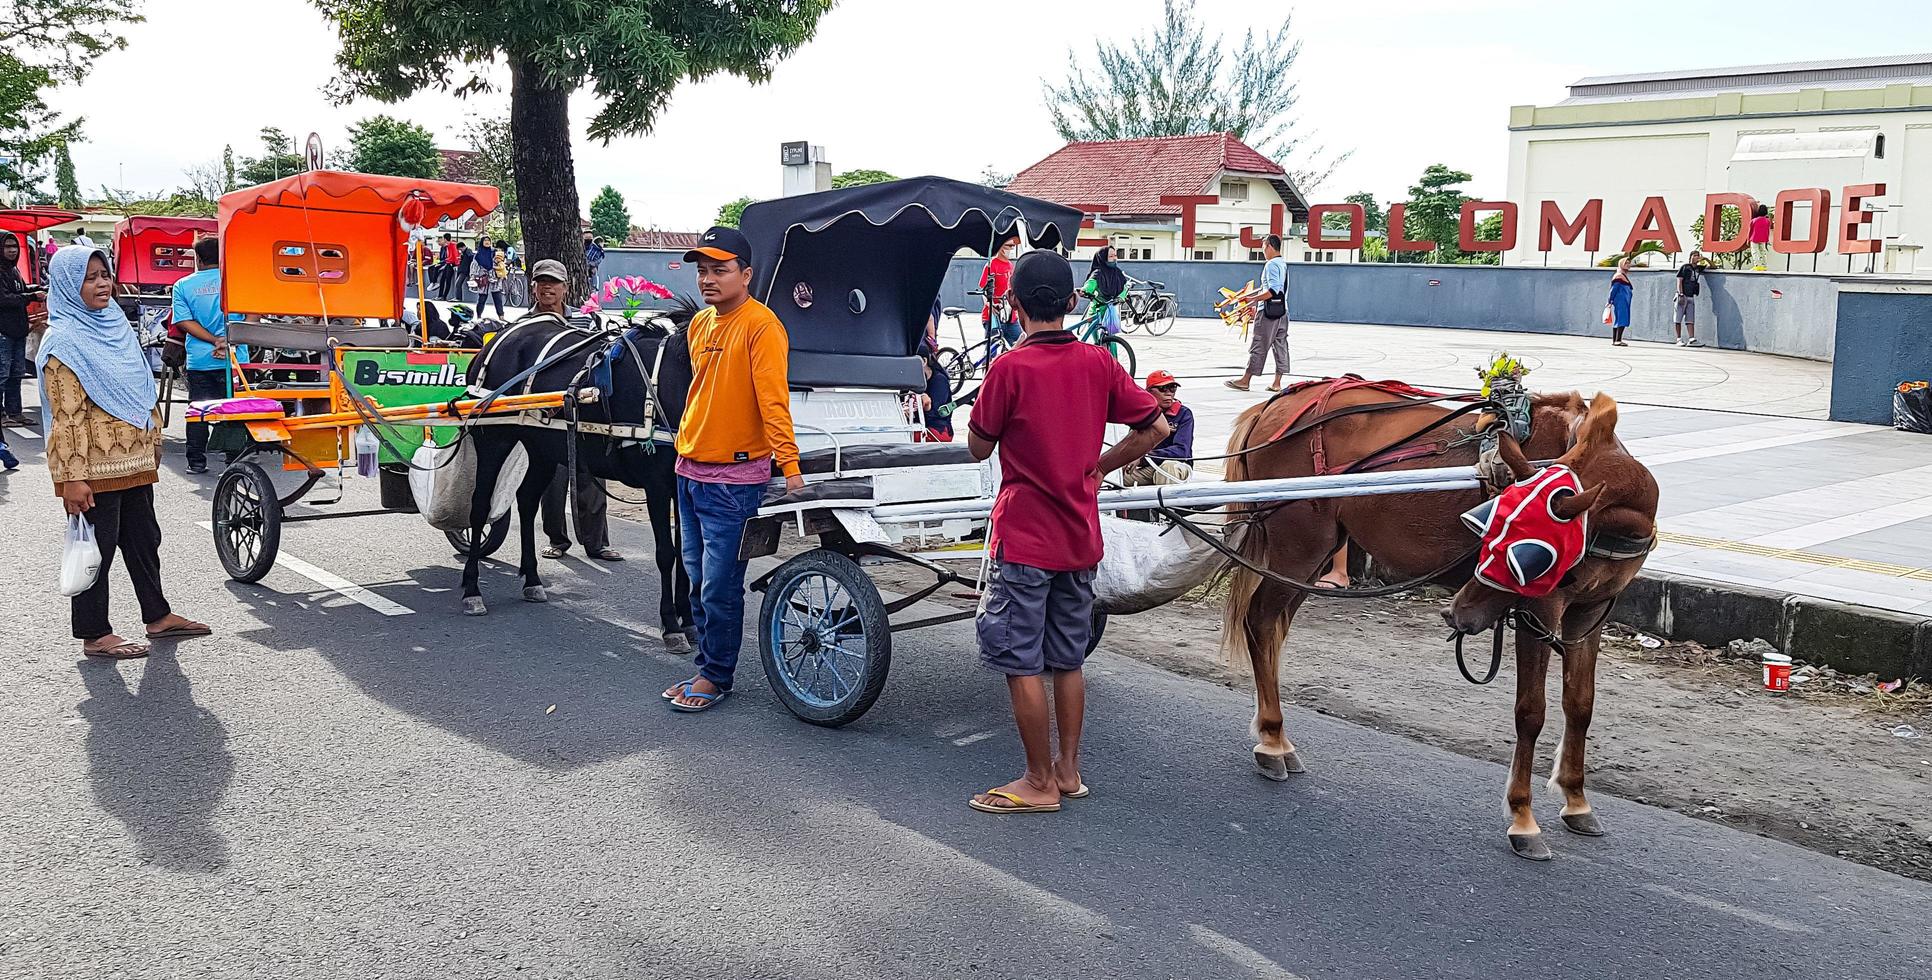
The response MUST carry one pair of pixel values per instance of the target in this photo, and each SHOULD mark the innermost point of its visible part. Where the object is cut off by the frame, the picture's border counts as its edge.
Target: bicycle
(1147, 305)
(963, 364)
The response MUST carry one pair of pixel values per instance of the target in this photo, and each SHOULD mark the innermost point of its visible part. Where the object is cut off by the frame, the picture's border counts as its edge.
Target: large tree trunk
(546, 176)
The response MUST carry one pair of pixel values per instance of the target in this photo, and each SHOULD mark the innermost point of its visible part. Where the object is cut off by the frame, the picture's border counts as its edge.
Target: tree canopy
(278, 160)
(1177, 80)
(608, 216)
(631, 54)
(43, 44)
(1435, 208)
(860, 178)
(386, 145)
(493, 162)
(732, 212)
(66, 186)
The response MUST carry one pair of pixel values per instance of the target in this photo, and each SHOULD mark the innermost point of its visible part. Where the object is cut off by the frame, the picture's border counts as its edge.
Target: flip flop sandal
(1019, 805)
(1274, 387)
(706, 701)
(182, 632)
(554, 552)
(685, 686)
(608, 554)
(1079, 794)
(1236, 387)
(125, 650)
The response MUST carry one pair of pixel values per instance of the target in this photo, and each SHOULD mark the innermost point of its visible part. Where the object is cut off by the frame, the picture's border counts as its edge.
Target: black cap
(1042, 277)
(721, 243)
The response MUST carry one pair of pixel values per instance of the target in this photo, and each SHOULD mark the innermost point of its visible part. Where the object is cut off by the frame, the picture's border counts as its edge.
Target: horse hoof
(1530, 847)
(1278, 767)
(473, 606)
(535, 593)
(1585, 824)
(677, 643)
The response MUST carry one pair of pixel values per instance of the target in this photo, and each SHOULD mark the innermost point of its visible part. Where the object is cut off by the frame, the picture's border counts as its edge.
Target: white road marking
(1240, 954)
(335, 583)
(19, 432)
(1748, 446)
(1748, 915)
(970, 739)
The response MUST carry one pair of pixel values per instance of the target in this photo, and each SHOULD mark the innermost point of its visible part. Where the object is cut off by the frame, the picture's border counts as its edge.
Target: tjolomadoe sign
(1801, 224)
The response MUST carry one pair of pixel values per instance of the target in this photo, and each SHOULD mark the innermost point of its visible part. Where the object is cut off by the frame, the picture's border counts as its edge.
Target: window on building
(1130, 253)
(1234, 190)
(1204, 255)
(1257, 255)
(1878, 147)
(1308, 256)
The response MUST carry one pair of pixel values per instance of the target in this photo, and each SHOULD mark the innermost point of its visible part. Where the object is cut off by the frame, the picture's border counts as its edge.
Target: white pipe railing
(1194, 495)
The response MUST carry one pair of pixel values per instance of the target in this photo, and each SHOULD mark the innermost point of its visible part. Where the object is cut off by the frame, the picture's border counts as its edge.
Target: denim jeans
(13, 367)
(711, 519)
(203, 386)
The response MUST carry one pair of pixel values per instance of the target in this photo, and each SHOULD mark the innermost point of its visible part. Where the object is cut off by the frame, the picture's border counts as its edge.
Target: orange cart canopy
(21, 222)
(328, 242)
(152, 250)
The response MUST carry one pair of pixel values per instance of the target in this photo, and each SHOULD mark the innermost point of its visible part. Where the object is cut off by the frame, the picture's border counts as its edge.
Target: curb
(1850, 638)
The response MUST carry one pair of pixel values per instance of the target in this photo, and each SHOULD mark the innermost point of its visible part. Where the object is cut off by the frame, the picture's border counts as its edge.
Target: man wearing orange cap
(1173, 460)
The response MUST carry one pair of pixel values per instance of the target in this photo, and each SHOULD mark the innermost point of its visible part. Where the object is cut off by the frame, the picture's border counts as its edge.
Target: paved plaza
(1758, 488)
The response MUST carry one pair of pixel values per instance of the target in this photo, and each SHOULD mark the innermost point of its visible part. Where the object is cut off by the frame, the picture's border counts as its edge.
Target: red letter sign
(1854, 216)
(1187, 204)
(1653, 225)
(1589, 222)
(1089, 212)
(1466, 229)
(1276, 214)
(1398, 232)
(1357, 226)
(1714, 241)
(1785, 219)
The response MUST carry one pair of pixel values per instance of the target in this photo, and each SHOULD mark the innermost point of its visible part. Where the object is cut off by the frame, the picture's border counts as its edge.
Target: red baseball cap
(1161, 379)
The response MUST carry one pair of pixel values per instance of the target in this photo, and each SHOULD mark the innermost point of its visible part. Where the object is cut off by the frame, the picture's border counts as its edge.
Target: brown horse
(1620, 497)
(1407, 535)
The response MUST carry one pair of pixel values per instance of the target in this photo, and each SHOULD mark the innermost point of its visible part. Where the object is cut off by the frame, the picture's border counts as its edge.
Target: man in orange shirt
(737, 425)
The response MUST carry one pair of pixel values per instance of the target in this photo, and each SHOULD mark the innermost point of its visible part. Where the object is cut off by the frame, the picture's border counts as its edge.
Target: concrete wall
(1884, 337)
(1762, 312)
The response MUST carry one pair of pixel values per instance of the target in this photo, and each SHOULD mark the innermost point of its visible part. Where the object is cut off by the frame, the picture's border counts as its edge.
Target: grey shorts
(1686, 310)
(1032, 620)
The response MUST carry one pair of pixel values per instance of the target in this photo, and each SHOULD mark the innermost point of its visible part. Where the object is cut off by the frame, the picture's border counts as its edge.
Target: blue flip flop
(705, 703)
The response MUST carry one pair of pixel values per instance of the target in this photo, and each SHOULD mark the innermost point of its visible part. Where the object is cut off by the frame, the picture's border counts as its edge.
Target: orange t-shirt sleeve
(771, 384)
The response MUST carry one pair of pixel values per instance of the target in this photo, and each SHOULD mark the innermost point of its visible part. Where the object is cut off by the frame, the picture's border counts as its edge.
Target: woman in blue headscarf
(103, 441)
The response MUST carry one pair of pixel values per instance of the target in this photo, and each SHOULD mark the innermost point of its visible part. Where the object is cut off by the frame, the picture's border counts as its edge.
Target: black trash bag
(1912, 408)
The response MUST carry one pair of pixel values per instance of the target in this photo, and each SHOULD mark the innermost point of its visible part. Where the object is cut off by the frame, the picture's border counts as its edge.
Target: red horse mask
(1526, 548)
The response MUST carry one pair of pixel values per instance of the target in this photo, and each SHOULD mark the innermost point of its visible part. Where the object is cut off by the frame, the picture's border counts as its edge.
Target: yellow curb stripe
(1788, 554)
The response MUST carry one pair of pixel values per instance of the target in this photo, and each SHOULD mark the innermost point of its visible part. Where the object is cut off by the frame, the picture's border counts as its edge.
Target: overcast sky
(949, 88)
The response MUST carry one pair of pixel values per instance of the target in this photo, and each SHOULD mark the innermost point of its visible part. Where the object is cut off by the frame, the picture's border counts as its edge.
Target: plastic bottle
(366, 447)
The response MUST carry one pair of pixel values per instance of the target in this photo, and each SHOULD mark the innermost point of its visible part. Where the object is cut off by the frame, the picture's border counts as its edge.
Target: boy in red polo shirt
(1045, 405)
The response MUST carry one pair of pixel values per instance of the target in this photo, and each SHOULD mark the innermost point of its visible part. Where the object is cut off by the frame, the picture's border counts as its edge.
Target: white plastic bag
(1148, 564)
(443, 480)
(80, 561)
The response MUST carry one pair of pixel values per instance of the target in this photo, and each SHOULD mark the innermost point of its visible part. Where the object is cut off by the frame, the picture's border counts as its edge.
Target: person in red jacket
(995, 281)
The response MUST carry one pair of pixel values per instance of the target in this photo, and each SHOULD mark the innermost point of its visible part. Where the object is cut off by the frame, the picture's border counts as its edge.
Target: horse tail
(1250, 541)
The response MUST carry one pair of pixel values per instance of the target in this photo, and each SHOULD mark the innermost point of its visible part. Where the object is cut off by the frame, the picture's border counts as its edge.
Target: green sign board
(394, 378)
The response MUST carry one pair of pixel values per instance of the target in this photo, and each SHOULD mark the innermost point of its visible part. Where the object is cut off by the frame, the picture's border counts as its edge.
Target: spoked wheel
(958, 369)
(1129, 317)
(493, 538)
(824, 638)
(1160, 315)
(1122, 352)
(248, 521)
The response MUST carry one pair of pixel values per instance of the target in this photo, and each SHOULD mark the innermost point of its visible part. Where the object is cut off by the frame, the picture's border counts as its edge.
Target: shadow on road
(159, 762)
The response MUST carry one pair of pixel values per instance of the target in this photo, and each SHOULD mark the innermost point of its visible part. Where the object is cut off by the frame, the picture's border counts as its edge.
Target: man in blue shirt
(197, 311)
(1270, 320)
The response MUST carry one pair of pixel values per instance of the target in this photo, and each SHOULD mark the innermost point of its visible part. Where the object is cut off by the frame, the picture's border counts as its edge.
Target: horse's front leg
(529, 502)
(1579, 702)
(1532, 667)
(490, 456)
(673, 588)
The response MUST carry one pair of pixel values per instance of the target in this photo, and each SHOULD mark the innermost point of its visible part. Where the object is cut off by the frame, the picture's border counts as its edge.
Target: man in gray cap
(549, 284)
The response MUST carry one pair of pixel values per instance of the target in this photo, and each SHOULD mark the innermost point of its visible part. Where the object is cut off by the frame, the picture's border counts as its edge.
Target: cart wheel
(1161, 316)
(1122, 352)
(1099, 627)
(248, 521)
(493, 538)
(824, 637)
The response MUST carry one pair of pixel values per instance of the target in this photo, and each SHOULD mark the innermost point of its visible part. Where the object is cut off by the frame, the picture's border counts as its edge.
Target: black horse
(652, 349)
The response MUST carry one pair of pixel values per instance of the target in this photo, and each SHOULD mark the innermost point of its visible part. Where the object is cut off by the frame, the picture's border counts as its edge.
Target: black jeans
(203, 385)
(588, 506)
(123, 521)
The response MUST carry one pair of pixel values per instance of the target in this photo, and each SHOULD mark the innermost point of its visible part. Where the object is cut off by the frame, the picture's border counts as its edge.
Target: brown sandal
(187, 629)
(124, 650)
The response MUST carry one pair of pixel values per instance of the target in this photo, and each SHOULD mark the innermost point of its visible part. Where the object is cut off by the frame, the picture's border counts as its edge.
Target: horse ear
(1570, 506)
(1512, 454)
(1600, 426)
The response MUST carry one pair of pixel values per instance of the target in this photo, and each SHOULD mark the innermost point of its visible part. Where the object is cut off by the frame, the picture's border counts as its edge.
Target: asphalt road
(372, 785)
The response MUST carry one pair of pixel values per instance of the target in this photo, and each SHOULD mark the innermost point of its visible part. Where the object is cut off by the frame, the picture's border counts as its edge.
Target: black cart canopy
(853, 272)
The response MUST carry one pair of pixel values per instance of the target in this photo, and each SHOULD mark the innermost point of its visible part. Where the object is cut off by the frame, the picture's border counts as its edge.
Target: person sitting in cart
(1173, 460)
(198, 312)
(936, 402)
(737, 425)
(1046, 405)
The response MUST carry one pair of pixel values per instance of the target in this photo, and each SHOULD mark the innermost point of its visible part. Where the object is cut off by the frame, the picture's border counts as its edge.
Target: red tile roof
(1130, 176)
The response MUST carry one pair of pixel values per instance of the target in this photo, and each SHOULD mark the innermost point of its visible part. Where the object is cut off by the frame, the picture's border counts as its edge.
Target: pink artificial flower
(588, 307)
(610, 290)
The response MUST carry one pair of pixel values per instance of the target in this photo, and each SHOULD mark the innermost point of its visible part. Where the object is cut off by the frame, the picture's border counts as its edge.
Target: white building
(1755, 130)
(1125, 180)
